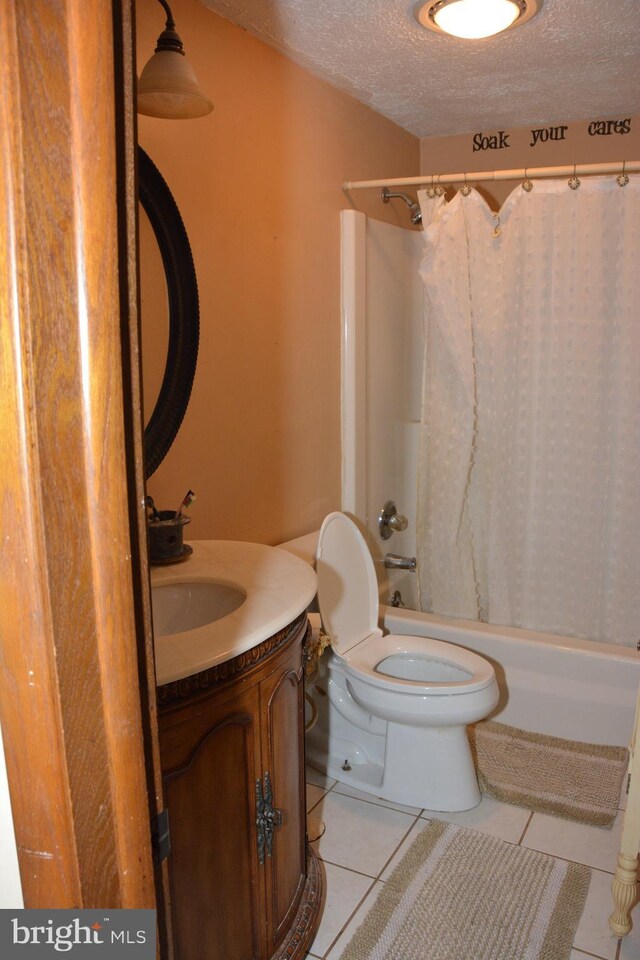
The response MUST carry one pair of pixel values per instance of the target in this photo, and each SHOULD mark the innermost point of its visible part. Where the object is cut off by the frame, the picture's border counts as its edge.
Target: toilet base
(430, 767)
(346, 761)
(427, 768)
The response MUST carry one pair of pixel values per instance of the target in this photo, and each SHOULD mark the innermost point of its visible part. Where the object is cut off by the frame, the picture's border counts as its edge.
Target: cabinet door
(209, 758)
(282, 705)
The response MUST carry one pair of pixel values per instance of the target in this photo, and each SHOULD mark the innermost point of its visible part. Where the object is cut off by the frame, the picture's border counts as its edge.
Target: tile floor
(365, 837)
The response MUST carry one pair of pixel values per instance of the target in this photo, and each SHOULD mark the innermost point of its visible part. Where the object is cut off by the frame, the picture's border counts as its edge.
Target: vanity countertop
(278, 586)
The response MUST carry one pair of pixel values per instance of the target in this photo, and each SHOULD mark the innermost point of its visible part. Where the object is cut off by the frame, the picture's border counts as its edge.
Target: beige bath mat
(462, 895)
(578, 781)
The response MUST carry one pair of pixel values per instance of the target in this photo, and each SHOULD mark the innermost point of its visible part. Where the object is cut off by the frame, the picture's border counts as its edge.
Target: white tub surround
(277, 586)
(382, 346)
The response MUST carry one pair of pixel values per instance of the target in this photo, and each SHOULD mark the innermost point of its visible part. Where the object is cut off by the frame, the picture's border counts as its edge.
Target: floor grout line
(557, 856)
(351, 917)
(368, 799)
(320, 799)
(586, 953)
(385, 806)
(526, 827)
(332, 863)
(397, 847)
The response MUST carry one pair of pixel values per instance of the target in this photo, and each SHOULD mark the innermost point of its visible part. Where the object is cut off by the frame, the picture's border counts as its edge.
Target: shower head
(414, 209)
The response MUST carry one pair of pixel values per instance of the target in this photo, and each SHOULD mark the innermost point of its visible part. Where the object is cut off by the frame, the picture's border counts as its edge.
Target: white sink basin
(226, 599)
(187, 605)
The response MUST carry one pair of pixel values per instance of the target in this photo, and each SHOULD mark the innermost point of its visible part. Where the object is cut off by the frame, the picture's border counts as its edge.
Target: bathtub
(577, 689)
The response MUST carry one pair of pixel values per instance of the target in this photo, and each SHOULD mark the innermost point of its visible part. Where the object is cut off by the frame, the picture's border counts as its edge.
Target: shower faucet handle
(394, 562)
(398, 522)
(389, 520)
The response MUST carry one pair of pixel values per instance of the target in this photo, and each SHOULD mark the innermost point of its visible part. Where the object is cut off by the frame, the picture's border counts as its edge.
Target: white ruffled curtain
(529, 468)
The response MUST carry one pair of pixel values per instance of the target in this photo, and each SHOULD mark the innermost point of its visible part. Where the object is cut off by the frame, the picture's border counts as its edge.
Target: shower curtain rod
(532, 173)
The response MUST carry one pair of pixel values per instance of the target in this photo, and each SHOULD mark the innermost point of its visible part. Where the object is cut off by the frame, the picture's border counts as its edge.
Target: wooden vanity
(244, 884)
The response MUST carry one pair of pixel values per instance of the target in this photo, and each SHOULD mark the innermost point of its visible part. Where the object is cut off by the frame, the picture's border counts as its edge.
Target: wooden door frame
(75, 633)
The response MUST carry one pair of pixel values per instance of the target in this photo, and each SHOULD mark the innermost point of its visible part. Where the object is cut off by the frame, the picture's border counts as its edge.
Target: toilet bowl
(392, 710)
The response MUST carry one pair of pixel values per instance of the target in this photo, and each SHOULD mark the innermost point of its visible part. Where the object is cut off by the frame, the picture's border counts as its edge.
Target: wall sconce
(167, 86)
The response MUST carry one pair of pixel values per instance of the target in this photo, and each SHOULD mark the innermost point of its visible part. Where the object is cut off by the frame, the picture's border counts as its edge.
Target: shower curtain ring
(497, 230)
(574, 181)
(526, 183)
(622, 179)
(431, 190)
(439, 188)
(466, 189)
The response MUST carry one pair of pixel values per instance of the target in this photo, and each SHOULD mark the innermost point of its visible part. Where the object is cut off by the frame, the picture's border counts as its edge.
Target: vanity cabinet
(243, 884)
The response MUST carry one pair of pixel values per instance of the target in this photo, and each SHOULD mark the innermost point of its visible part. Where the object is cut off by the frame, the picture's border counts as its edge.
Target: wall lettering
(501, 139)
(604, 128)
(542, 134)
(495, 142)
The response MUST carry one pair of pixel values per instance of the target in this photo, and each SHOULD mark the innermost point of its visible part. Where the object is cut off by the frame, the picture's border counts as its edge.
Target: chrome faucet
(389, 520)
(394, 562)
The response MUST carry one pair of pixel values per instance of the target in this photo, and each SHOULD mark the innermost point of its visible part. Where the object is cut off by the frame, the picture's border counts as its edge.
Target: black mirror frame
(184, 313)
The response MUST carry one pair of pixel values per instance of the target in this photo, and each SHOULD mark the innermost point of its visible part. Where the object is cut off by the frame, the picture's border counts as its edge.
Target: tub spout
(394, 562)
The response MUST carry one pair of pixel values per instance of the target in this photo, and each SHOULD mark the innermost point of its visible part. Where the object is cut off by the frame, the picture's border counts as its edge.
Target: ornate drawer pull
(267, 817)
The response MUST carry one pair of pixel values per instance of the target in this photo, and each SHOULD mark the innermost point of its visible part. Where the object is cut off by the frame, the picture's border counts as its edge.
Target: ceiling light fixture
(475, 19)
(168, 87)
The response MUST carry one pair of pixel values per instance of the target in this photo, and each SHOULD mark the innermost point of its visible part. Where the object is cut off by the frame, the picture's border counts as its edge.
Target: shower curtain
(529, 465)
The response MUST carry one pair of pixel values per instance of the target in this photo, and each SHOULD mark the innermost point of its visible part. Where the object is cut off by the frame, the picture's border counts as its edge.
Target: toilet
(390, 711)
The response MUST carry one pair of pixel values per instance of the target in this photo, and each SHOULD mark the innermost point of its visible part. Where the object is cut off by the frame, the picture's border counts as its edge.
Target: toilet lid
(347, 584)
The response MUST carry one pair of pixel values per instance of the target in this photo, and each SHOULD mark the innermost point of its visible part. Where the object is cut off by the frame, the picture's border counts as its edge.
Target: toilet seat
(474, 672)
(349, 603)
(347, 584)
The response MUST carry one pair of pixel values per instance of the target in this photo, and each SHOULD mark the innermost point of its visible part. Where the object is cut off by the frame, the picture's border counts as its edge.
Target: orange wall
(258, 183)
(574, 144)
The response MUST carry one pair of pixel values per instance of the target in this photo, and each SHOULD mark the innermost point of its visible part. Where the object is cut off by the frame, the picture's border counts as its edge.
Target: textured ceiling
(576, 59)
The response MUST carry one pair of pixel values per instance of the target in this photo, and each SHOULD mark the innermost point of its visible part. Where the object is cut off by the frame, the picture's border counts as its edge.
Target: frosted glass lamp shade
(475, 19)
(168, 88)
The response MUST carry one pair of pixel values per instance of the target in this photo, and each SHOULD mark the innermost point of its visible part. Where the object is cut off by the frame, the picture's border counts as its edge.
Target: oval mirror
(183, 313)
